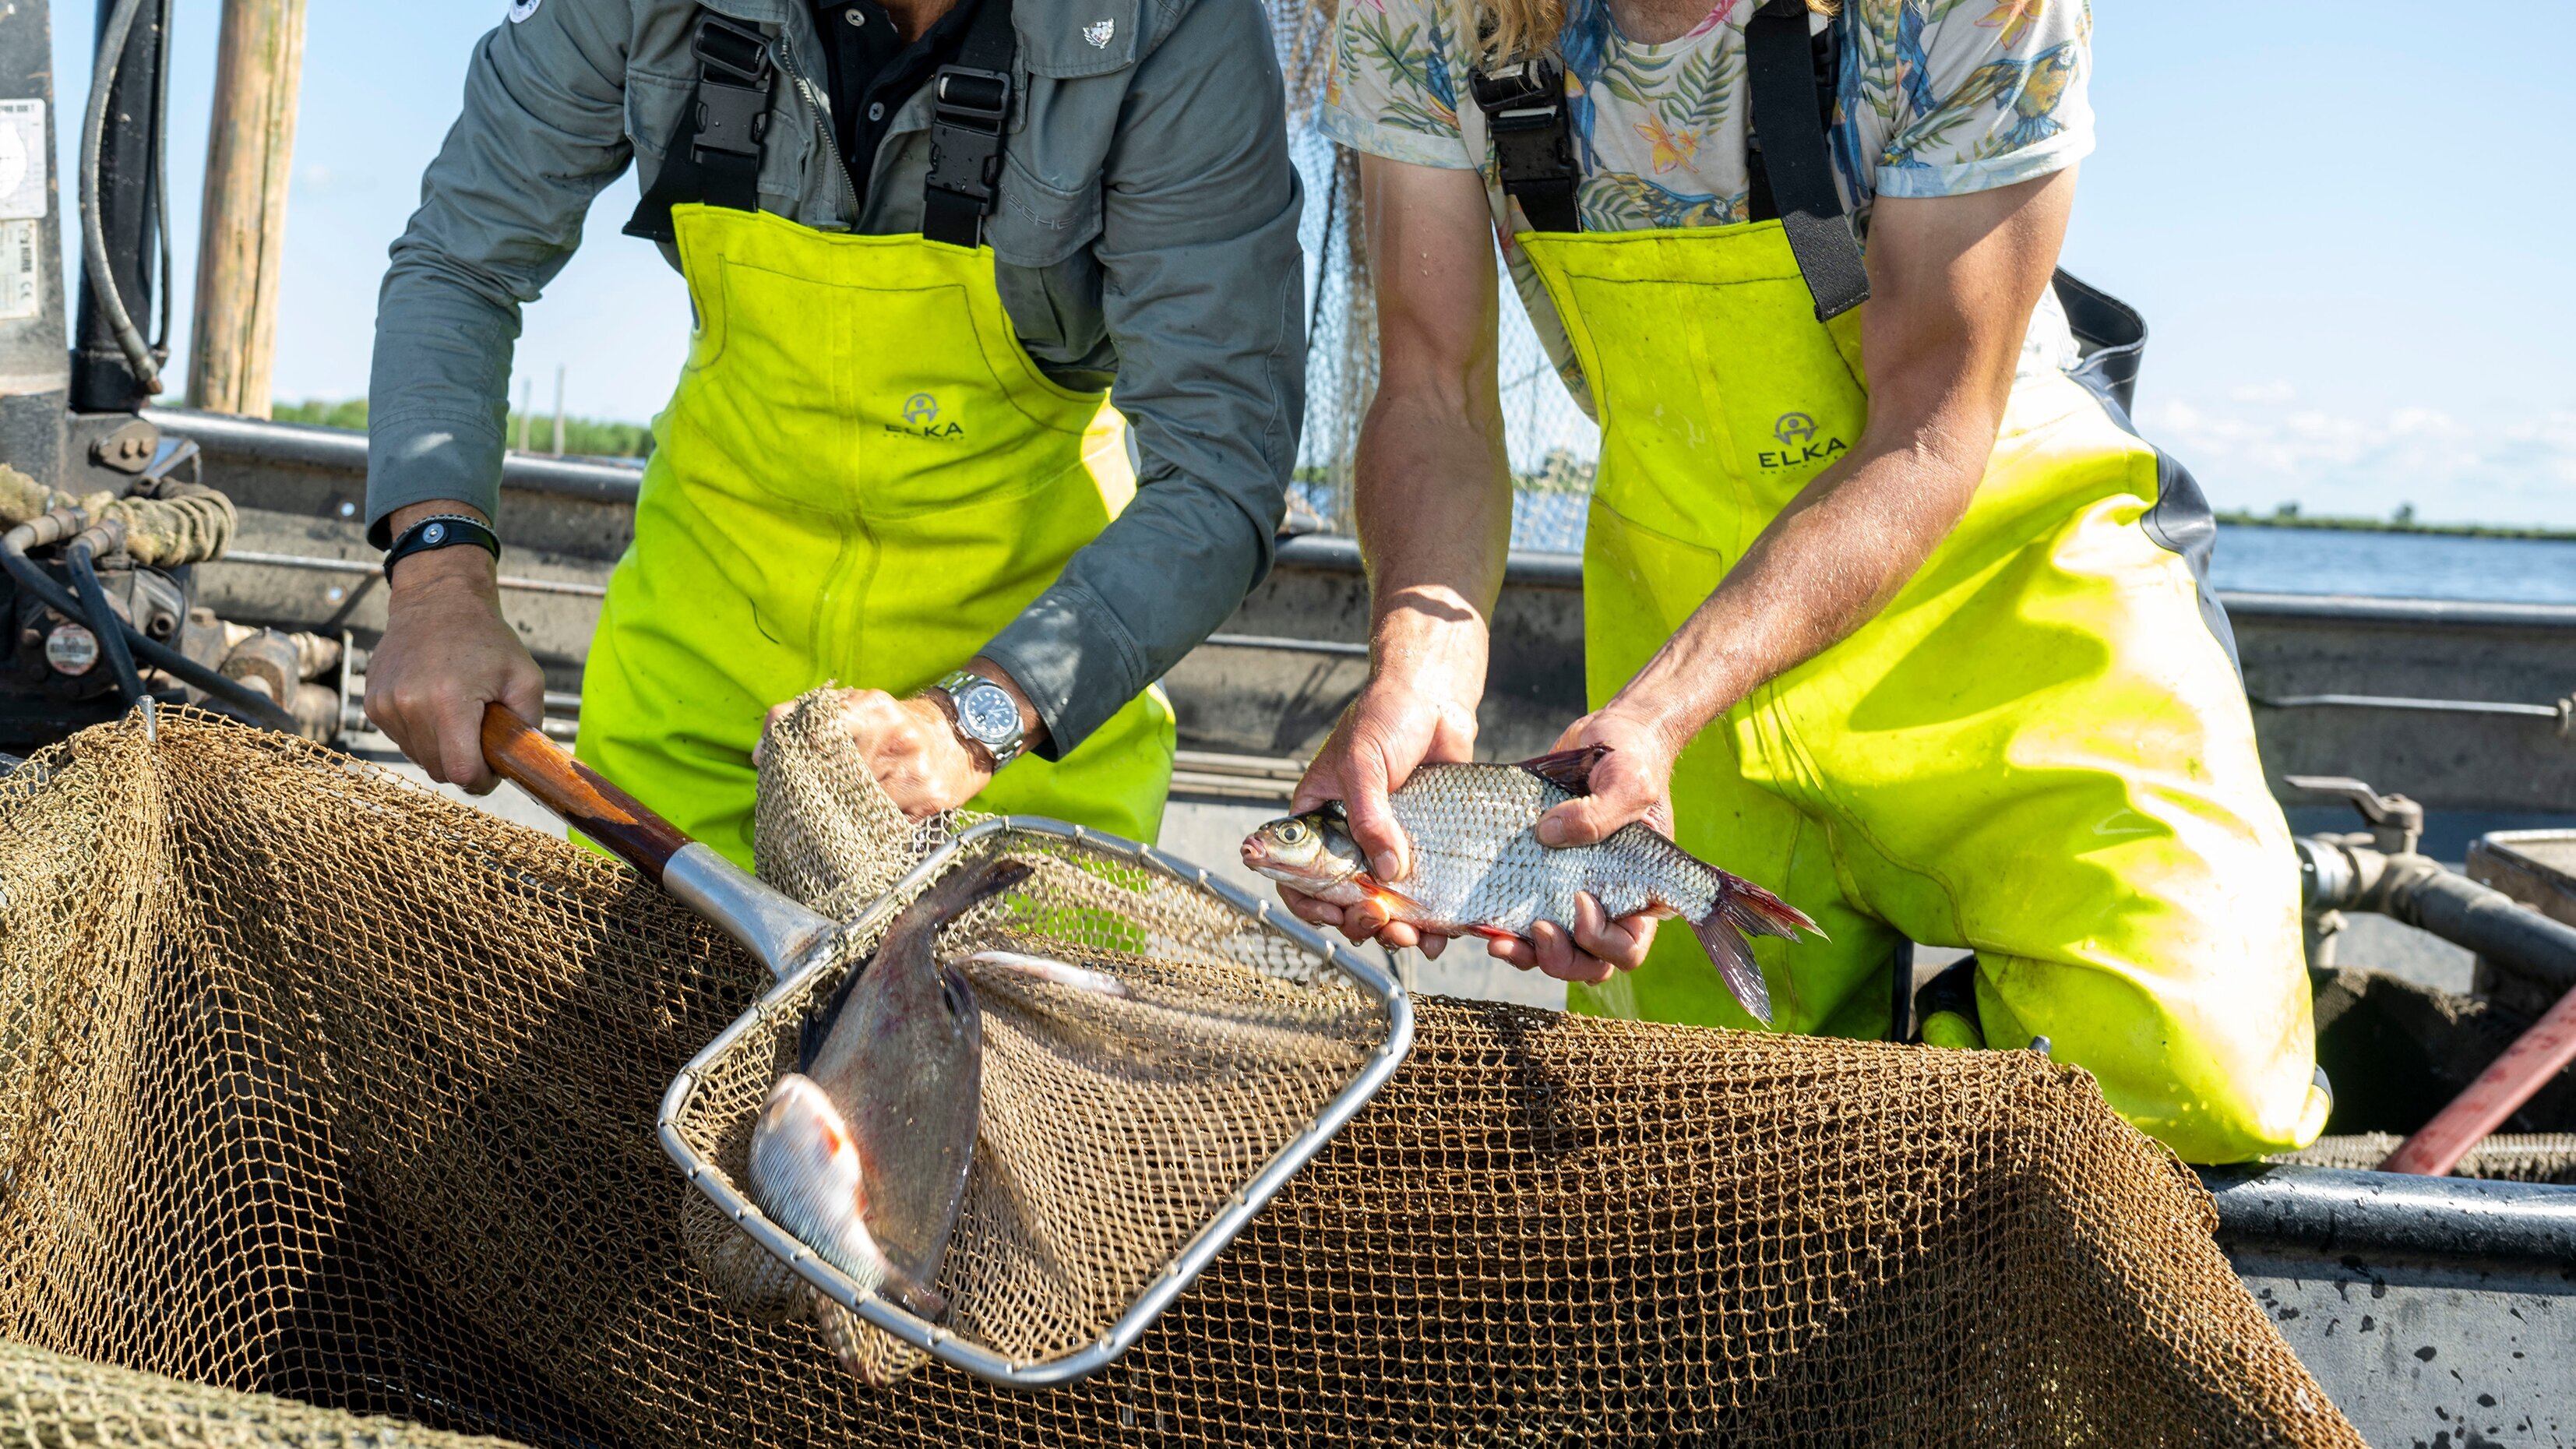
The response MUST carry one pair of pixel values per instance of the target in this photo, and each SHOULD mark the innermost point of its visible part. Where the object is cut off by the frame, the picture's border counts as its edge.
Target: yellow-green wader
(2038, 750)
(862, 478)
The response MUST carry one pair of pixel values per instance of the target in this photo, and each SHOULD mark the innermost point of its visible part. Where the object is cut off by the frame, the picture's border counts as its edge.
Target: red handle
(2531, 1063)
(520, 753)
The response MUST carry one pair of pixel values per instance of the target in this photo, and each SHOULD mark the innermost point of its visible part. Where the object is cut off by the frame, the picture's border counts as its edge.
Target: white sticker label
(21, 290)
(22, 159)
(522, 9)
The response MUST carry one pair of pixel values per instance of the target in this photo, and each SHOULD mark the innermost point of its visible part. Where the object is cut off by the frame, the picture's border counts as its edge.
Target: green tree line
(583, 437)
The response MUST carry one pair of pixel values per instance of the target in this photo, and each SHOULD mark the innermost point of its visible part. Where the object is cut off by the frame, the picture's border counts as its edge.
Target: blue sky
(2342, 222)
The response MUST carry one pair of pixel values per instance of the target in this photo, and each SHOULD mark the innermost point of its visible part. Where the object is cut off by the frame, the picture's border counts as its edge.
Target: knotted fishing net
(315, 1085)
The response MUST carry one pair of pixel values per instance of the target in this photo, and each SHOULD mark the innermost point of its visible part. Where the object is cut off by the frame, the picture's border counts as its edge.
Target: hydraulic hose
(111, 58)
(51, 528)
(111, 641)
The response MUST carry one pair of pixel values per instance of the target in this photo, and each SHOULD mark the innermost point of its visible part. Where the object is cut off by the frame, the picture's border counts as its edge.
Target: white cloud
(2516, 470)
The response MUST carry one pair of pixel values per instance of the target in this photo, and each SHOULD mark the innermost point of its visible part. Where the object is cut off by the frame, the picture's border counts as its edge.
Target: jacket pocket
(1037, 225)
(655, 109)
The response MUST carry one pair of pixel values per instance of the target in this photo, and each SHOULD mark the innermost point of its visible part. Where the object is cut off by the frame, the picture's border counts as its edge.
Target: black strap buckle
(727, 45)
(1524, 108)
(734, 76)
(966, 123)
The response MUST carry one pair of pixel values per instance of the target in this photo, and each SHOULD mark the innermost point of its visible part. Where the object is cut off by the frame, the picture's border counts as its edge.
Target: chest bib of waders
(861, 478)
(2039, 750)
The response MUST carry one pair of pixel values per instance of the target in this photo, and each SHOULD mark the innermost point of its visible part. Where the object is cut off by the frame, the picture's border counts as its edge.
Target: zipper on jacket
(822, 118)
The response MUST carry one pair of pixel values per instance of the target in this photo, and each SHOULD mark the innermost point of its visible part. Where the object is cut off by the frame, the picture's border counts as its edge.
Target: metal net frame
(314, 1084)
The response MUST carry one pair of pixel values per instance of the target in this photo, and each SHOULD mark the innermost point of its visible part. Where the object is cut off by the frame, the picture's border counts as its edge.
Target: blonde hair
(1510, 30)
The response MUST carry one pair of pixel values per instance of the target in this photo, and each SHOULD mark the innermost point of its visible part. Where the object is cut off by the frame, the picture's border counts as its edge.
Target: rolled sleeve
(1983, 97)
(1203, 296)
(1391, 89)
(542, 131)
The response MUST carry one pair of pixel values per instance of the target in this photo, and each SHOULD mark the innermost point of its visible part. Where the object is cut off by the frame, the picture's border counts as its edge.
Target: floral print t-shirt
(1936, 98)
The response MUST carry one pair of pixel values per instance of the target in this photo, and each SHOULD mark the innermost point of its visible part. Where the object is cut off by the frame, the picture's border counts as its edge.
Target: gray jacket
(1147, 235)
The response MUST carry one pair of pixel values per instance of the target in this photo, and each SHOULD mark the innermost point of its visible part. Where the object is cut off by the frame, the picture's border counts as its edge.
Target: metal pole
(35, 365)
(129, 218)
(241, 240)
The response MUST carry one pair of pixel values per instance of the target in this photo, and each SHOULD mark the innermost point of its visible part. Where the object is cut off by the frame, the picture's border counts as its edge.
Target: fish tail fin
(1567, 770)
(1733, 956)
(1757, 910)
(1741, 909)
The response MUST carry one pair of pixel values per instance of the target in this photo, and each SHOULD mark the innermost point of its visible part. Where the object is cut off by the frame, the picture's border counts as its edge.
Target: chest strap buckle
(734, 78)
(970, 110)
(1525, 112)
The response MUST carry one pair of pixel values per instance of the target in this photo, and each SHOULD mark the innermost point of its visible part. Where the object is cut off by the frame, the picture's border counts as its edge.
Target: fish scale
(1477, 865)
(1478, 861)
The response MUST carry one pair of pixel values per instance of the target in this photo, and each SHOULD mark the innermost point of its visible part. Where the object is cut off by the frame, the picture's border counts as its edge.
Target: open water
(2256, 559)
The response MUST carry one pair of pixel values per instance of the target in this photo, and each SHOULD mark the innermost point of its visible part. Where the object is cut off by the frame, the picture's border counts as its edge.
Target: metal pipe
(1275, 644)
(2328, 1212)
(2416, 890)
(312, 564)
(2430, 706)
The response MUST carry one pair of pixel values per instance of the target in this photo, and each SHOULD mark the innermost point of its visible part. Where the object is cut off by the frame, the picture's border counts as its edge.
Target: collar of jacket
(1062, 39)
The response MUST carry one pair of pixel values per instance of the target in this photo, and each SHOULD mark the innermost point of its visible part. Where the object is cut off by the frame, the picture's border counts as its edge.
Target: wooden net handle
(519, 752)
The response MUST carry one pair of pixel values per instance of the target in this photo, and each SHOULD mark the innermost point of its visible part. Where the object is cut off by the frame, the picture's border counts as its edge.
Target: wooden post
(250, 154)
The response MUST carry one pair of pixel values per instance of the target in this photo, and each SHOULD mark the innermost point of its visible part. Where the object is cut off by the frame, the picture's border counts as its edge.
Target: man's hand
(1634, 782)
(1394, 726)
(447, 653)
(912, 747)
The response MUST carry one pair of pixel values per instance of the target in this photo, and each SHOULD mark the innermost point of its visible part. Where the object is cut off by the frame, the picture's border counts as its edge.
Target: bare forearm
(1954, 282)
(1824, 567)
(1435, 515)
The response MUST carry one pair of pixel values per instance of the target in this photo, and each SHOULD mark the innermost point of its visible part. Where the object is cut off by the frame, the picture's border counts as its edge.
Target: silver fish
(1050, 971)
(1478, 866)
(863, 1153)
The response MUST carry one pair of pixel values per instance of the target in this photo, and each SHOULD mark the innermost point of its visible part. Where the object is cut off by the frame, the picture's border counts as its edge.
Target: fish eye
(1293, 833)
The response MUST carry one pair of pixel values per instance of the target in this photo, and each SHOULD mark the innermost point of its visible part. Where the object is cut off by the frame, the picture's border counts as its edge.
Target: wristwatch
(984, 713)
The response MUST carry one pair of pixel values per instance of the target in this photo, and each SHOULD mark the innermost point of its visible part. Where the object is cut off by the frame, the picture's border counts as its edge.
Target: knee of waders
(2241, 1101)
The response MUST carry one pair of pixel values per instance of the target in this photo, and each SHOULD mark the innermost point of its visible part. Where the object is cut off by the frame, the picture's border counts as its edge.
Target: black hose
(111, 641)
(259, 707)
(111, 58)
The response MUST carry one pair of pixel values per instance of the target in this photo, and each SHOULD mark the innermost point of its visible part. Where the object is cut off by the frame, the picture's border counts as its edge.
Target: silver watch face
(988, 713)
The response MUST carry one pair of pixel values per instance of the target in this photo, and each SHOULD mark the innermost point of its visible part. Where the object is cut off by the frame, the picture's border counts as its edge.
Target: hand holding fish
(1478, 868)
(1399, 722)
(1633, 781)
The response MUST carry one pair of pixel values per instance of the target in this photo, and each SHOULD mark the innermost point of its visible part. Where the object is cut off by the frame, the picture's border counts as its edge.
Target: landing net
(315, 1085)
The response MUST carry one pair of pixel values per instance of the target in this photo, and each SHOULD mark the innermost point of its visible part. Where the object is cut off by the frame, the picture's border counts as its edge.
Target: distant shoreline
(2386, 525)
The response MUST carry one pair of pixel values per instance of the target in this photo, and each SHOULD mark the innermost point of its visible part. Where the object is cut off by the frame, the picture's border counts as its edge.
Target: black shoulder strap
(1780, 66)
(971, 107)
(1524, 106)
(715, 158)
(2110, 337)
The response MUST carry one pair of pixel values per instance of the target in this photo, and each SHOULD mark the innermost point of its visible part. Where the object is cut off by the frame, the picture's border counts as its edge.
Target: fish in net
(313, 1084)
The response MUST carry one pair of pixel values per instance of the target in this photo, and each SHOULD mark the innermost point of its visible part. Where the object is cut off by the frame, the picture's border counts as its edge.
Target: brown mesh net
(315, 1085)
(1114, 1127)
(54, 1399)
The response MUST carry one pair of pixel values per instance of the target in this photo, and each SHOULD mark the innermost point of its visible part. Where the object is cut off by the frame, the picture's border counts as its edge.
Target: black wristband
(444, 530)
